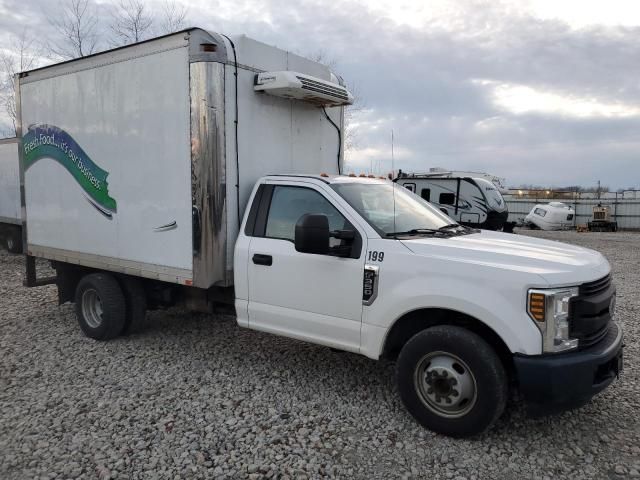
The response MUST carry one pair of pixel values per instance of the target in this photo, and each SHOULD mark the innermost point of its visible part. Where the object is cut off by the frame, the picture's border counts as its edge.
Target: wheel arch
(418, 320)
(158, 294)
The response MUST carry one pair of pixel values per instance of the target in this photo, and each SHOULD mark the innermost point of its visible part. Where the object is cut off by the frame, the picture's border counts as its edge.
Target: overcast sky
(538, 91)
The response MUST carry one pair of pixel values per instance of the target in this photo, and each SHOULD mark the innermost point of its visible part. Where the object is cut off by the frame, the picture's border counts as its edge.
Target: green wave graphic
(49, 141)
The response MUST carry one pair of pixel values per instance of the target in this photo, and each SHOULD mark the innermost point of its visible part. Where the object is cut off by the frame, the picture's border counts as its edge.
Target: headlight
(550, 311)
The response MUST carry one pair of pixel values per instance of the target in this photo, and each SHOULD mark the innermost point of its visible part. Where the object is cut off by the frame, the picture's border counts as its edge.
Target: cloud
(524, 90)
(520, 99)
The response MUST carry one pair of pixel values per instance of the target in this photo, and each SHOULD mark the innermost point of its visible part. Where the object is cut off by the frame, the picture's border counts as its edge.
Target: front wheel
(452, 381)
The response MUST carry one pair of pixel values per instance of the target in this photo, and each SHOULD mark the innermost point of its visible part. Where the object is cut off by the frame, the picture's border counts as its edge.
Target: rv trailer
(472, 201)
(551, 216)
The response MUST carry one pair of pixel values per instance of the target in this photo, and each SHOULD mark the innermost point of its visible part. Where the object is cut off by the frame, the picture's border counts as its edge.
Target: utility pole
(393, 168)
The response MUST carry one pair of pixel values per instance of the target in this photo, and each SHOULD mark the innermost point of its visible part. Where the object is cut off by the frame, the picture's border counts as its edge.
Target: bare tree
(76, 23)
(20, 56)
(131, 22)
(173, 17)
(352, 111)
(321, 56)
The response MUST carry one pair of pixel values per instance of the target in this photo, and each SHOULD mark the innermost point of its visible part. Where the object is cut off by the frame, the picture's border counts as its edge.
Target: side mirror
(312, 234)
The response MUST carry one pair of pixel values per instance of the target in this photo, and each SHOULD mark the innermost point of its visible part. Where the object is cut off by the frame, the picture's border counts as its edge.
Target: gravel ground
(197, 397)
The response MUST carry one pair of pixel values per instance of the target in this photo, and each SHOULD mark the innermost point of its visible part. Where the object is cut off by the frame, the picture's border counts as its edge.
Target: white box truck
(197, 168)
(10, 209)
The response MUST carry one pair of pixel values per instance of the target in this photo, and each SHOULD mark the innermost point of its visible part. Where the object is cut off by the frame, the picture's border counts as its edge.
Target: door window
(425, 193)
(288, 204)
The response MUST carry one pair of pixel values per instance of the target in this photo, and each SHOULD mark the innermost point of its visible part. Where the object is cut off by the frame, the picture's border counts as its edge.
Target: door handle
(165, 228)
(260, 259)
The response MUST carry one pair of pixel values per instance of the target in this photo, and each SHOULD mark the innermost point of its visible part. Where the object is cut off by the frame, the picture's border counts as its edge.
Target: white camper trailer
(472, 201)
(551, 216)
(10, 210)
(197, 168)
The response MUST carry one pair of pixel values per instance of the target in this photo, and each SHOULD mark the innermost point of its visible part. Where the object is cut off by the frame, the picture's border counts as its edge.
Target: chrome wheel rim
(445, 384)
(10, 243)
(92, 308)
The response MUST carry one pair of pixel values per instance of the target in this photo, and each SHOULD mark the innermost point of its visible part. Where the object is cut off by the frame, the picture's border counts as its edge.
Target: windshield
(375, 203)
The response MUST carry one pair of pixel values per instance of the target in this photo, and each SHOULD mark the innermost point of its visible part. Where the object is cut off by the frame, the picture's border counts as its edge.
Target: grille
(585, 341)
(589, 312)
(319, 87)
(594, 288)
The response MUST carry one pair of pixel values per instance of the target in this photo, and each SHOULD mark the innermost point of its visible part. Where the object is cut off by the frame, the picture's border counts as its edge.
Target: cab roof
(333, 179)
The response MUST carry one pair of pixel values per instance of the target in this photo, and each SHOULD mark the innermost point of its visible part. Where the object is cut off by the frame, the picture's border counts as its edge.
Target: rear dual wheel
(135, 299)
(13, 241)
(106, 308)
(452, 381)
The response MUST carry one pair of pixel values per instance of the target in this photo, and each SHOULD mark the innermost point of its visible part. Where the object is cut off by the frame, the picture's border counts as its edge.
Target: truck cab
(364, 265)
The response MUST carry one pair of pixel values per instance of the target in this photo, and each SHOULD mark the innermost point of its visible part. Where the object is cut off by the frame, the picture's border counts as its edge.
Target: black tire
(13, 241)
(476, 359)
(106, 321)
(136, 305)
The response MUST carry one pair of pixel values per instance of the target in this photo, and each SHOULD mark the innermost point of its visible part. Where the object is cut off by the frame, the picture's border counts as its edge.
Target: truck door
(313, 297)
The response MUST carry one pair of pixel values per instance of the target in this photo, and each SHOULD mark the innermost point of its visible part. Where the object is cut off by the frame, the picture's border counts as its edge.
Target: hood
(559, 264)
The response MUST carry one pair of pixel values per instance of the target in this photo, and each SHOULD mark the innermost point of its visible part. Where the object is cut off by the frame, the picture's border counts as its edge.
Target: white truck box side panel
(9, 182)
(138, 50)
(132, 119)
(261, 56)
(275, 136)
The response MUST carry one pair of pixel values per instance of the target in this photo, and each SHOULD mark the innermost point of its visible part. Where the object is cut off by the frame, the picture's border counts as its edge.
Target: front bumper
(553, 383)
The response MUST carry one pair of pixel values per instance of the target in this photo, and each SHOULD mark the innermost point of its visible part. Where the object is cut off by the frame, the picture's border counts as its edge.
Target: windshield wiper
(463, 229)
(451, 225)
(419, 231)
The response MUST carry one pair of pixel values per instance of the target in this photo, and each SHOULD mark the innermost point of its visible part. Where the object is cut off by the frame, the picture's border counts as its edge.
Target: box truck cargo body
(10, 209)
(141, 159)
(196, 168)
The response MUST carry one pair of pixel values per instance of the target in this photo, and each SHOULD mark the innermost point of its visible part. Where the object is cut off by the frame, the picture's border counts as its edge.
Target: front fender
(501, 308)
